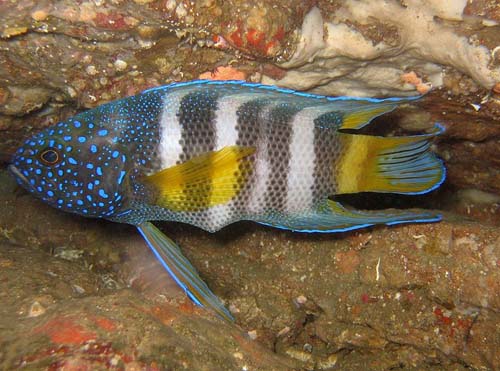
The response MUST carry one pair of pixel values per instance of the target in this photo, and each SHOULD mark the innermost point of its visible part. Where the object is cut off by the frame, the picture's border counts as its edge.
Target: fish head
(75, 166)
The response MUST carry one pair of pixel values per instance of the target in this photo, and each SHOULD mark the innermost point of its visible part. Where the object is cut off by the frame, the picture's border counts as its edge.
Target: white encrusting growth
(170, 129)
(300, 180)
(337, 58)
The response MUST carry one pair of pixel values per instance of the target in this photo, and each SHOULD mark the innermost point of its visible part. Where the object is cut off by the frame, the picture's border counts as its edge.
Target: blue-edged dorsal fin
(359, 112)
(181, 270)
(332, 217)
(356, 118)
(356, 112)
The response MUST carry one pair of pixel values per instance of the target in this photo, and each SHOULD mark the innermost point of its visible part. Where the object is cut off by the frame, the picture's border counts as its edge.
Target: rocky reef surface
(87, 294)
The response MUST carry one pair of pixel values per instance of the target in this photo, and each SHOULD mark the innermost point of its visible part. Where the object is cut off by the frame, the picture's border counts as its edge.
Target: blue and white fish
(210, 153)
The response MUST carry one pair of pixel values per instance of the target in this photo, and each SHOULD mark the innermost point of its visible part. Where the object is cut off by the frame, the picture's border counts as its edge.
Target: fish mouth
(15, 171)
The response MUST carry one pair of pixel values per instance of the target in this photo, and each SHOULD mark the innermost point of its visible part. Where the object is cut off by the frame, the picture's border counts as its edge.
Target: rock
(79, 293)
(413, 295)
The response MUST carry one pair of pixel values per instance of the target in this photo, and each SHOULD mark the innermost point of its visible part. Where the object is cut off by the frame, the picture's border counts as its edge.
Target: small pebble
(171, 4)
(181, 11)
(91, 70)
(71, 91)
(252, 334)
(36, 309)
(78, 289)
(301, 299)
(39, 15)
(284, 331)
(120, 65)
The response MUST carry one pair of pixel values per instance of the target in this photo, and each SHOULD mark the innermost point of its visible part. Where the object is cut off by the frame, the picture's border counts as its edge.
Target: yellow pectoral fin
(207, 180)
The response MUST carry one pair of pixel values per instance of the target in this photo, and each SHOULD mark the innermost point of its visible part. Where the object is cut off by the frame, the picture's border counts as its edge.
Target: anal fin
(333, 217)
(181, 270)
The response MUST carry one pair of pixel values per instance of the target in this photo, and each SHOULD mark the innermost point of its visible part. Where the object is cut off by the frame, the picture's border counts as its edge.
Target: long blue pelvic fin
(181, 270)
(333, 217)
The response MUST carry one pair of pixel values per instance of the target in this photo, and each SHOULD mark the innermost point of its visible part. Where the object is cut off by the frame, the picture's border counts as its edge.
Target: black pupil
(50, 156)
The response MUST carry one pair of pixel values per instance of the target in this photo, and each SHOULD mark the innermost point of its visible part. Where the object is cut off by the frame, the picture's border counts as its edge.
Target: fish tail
(403, 165)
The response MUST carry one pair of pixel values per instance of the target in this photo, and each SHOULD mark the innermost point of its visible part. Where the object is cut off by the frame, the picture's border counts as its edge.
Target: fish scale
(211, 153)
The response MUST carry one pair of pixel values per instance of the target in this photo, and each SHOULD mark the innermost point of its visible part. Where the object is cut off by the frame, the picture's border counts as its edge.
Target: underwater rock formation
(83, 292)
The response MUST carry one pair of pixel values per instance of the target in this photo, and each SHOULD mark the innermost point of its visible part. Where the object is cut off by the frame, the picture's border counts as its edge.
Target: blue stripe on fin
(181, 270)
(333, 217)
(263, 87)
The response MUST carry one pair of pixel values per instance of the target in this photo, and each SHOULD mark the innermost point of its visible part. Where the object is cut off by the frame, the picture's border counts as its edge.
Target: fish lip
(15, 171)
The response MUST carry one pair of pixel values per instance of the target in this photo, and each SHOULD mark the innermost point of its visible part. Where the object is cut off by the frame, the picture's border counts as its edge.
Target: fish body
(211, 153)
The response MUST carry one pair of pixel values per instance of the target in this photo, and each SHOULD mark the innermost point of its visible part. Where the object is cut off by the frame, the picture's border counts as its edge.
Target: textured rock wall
(412, 297)
(60, 57)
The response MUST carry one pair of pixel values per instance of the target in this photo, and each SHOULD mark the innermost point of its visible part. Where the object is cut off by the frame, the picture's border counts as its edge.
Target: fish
(211, 153)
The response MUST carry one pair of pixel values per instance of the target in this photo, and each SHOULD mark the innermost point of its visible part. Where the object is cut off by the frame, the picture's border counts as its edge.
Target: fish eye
(50, 156)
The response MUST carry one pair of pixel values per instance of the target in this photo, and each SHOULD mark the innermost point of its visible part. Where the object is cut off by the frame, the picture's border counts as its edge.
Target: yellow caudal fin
(387, 164)
(207, 180)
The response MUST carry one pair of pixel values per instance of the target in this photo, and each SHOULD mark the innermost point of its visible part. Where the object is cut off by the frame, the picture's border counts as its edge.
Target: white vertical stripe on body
(300, 179)
(226, 118)
(170, 147)
(226, 121)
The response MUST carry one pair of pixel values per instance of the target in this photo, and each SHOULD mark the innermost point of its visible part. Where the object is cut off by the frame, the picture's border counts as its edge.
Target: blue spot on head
(102, 132)
(90, 186)
(89, 197)
(121, 176)
(50, 193)
(60, 201)
(103, 194)
(93, 148)
(82, 139)
(115, 154)
(91, 125)
(79, 202)
(77, 124)
(69, 149)
(99, 170)
(38, 171)
(90, 166)
(67, 138)
(72, 161)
